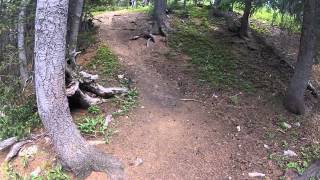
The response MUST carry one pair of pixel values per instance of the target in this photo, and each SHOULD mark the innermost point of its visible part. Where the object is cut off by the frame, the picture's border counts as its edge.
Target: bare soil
(186, 129)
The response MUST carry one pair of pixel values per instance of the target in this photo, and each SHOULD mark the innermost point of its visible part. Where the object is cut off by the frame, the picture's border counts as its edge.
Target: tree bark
(245, 19)
(294, 100)
(74, 20)
(160, 22)
(73, 152)
(21, 42)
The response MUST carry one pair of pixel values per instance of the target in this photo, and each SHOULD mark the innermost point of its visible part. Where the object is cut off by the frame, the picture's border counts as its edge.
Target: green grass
(126, 103)
(92, 125)
(50, 173)
(94, 109)
(212, 57)
(272, 17)
(18, 120)
(105, 61)
(139, 9)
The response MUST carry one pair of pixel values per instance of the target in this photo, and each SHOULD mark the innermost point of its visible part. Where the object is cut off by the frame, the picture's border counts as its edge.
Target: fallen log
(15, 149)
(83, 91)
(147, 36)
(7, 143)
(102, 91)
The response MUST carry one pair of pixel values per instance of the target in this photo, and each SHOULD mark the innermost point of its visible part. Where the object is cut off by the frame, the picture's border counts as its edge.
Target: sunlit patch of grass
(126, 103)
(272, 17)
(212, 57)
(138, 9)
(105, 61)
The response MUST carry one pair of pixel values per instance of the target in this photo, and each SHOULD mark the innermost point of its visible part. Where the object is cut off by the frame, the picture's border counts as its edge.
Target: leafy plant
(106, 60)
(56, 174)
(9, 171)
(94, 109)
(212, 57)
(299, 167)
(18, 120)
(92, 125)
(127, 102)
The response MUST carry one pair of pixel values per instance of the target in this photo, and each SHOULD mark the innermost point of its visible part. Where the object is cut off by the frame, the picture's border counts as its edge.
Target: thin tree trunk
(74, 21)
(50, 47)
(294, 100)
(21, 42)
(245, 19)
(160, 25)
(217, 3)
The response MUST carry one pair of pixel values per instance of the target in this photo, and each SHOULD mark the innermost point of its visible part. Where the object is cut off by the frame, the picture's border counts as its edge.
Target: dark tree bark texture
(294, 100)
(245, 19)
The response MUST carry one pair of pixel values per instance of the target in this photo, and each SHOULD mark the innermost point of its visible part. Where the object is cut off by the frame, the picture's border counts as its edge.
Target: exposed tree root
(83, 91)
(88, 159)
(15, 149)
(7, 143)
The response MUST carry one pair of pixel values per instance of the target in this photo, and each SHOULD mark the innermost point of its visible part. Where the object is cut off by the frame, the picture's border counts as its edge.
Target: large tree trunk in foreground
(160, 25)
(74, 20)
(21, 42)
(245, 19)
(294, 100)
(50, 44)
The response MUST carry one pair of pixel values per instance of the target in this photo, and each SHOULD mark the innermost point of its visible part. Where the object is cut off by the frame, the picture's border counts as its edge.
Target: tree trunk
(294, 100)
(160, 25)
(245, 19)
(217, 3)
(21, 42)
(74, 20)
(50, 46)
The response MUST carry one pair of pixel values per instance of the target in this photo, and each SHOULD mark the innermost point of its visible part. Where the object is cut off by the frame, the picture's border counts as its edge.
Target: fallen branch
(148, 36)
(191, 100)
(105, 92)
(7, 143)
(15, 149)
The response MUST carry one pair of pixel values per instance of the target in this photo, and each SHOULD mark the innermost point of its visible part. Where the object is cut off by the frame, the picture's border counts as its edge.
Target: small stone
(266, 146)
(138, 162)
(36, 172)
(120, 76)
(2, 114)
(256, 174)
(238, 128)
(297, 124)
(97, 142)
(286, 125)
(142, 107)
(214, 96)
(107, 120)
(289, 153)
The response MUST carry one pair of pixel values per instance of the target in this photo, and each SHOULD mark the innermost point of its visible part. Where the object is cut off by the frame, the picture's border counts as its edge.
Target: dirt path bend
(176, 139)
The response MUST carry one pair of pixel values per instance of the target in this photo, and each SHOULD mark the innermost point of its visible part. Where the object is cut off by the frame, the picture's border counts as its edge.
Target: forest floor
(185, 127)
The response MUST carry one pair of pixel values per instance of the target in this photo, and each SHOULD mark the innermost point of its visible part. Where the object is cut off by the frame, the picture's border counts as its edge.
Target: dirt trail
(176, 139)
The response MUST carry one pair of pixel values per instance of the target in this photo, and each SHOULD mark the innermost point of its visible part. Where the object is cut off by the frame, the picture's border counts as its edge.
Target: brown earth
(186, 129)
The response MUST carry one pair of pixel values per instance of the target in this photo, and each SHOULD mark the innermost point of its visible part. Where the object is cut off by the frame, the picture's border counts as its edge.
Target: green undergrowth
(306, 155)
(212, 57)
(139, 9)
(18, 120)
(273, 18)
(48, 173)
(94, 122)
(104, 61)
(126, 103)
